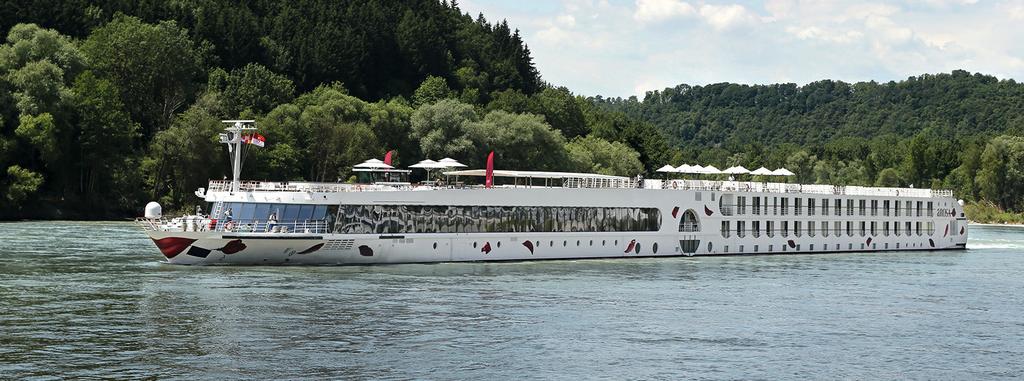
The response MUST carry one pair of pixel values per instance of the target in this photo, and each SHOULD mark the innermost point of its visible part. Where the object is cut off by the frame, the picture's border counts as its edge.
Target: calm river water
(93, 300)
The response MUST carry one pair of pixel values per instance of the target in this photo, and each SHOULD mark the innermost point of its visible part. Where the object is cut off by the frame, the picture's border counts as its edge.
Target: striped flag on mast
(254, 139)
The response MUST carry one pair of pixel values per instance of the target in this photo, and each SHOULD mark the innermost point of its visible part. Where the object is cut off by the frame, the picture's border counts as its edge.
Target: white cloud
(1015, 10)
(661, 10)
(726, 16)
(826, 35)
(567, 20)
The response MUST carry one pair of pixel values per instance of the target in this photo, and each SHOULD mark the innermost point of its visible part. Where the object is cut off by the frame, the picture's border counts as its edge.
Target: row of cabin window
(862, 228)
(780, 206)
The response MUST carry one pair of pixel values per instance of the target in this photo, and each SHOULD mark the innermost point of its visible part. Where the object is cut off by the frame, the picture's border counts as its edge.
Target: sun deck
(590, 182)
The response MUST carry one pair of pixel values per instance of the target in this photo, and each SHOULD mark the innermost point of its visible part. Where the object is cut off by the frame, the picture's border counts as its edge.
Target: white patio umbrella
(711, 170)
(373, 164)
(666, 168)
(451, 163)
(695, 169)
(428, 165)
(425, 164)
(762, 172)
(685, 168)
(782, 172)
(737, 170)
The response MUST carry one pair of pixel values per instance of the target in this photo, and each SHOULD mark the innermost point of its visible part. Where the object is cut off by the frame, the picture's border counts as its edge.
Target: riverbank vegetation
(107, 105)
(989, 213)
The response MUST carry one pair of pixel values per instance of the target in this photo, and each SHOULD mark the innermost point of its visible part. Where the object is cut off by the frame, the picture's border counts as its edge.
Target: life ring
(675, 185)
(359, 188)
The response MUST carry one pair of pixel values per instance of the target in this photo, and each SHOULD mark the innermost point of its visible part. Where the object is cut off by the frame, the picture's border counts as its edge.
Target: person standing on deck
(271, 221)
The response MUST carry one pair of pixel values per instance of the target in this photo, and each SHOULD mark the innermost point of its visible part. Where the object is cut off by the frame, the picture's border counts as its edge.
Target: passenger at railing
(271, 221)
(227, 216)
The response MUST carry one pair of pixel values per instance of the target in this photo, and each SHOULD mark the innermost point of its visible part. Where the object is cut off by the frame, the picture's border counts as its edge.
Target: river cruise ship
(541, 215)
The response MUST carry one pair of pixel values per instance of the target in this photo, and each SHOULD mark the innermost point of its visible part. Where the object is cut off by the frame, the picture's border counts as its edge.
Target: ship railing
(598, 182)
(764, 187)
(303, 186)
(206, 224)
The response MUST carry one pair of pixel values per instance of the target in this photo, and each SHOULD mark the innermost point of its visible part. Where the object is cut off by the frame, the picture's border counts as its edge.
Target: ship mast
(233, 138)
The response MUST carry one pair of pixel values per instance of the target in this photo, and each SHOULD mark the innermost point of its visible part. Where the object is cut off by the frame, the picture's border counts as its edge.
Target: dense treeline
(377, 48)
(109, 105)
(957, 131)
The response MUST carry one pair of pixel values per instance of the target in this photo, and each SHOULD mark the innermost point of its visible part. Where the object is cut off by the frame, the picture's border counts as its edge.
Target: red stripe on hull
(172, 246)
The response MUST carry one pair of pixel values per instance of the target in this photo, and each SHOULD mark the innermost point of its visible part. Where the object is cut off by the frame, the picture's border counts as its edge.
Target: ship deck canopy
(534, 174)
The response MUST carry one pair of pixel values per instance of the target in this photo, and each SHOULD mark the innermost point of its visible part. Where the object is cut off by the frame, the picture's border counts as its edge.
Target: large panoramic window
(249, 211)
(392, 219)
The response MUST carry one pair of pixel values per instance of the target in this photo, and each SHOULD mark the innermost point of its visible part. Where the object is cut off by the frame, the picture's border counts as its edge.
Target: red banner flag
(489, 174)
(387, 158)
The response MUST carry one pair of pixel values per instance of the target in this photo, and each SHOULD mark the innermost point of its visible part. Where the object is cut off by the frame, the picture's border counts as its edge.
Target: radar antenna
(232, 136)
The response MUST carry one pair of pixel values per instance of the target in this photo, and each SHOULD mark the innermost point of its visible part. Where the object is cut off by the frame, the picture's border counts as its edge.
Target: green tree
(156, 66)
(560, 108)
(253, 87)
(509, 100)
(391, 123)
(40, 87)
(889, 177)
(518, 141)
(27, 43)
(802, 164)
(432, 89)
(596, 155)
(441, 129)
(185, 156)
(328, 129)
(105, 137)
(41, 132)
(1001, 176)
(20, 185)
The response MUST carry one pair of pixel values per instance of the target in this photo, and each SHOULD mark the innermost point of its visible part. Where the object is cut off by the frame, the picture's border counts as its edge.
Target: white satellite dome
(153, 210)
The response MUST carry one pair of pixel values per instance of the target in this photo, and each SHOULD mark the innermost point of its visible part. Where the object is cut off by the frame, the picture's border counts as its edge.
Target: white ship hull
(712, 211)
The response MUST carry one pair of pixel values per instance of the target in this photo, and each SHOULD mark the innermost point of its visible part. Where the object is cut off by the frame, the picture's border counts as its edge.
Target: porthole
(536, 243)
(435, 245)
(709, 247)
(591, 242)
(654, 248)
(616, 242)
(565, 243)
(499, 243)
(474, 245)
(577, 242)
(551, 243)
(602, 242)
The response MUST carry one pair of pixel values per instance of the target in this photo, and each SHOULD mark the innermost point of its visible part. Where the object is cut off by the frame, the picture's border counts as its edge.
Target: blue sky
(628, 47)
